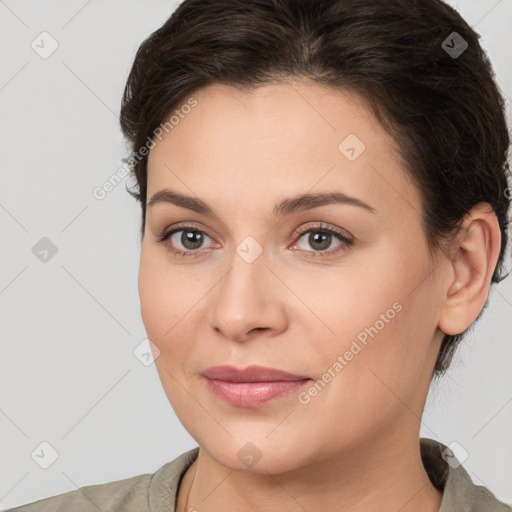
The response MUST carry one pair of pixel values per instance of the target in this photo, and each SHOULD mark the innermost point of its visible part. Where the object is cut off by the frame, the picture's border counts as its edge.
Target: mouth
(252, 373)
(252, 386)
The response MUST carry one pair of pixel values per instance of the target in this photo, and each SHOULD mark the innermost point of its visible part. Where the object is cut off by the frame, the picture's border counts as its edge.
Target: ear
(473, 259)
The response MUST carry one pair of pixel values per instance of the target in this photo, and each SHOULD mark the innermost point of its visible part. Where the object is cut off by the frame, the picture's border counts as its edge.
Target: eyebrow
(285, 207)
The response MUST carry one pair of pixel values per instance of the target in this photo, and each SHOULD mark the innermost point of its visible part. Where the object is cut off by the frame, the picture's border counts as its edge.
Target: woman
(324, 209)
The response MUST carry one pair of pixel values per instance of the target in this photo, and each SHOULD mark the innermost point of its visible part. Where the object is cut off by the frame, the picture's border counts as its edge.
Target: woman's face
(358, 318)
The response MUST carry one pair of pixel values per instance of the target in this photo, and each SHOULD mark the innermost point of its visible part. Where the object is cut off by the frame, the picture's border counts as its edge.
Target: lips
(253, 386)
(252, 373)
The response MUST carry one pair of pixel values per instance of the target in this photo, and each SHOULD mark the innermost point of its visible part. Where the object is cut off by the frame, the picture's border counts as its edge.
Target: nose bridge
(243, 300)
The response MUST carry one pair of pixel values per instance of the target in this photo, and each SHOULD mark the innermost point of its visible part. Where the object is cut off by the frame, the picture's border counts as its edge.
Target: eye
(185, 240)
(189, 241)
(320, 238)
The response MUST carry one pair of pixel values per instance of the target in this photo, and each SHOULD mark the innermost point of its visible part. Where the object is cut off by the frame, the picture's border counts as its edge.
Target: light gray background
(69, 326)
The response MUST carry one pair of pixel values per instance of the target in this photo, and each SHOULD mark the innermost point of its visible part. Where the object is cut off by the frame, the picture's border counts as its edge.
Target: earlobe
(475, 257)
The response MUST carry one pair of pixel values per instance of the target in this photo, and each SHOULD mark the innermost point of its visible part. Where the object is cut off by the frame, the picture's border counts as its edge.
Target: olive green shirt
(156, 492)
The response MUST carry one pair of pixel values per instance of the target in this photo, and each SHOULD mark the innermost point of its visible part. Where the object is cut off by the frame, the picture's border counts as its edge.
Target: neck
(380, 474)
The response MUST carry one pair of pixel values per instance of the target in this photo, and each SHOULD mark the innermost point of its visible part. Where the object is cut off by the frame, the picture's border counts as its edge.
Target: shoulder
(142, 493)
(127, 494)
(485, 500)
(448, 474)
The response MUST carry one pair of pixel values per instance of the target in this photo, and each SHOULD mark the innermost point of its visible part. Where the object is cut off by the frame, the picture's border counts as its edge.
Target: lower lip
(253, 394)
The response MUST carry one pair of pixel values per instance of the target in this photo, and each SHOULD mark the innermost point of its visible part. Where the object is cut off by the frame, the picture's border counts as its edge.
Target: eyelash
(300, 232)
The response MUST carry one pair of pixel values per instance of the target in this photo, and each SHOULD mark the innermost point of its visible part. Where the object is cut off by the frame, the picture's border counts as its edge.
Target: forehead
(283, 138)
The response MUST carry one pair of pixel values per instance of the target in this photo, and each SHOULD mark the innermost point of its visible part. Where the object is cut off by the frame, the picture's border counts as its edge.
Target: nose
(248, 300)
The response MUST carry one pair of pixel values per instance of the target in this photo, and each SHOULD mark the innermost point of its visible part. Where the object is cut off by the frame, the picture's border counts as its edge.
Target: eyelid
(346, 240)
(322, 226)
(186, 225)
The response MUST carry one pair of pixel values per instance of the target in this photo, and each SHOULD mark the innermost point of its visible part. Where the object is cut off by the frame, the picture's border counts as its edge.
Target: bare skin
(353, 445)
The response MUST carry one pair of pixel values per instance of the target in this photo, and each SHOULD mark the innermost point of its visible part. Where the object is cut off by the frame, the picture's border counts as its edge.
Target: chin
(250, 459)
(256, 452)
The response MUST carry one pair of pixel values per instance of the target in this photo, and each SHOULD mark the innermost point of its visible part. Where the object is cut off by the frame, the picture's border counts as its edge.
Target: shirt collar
(448, 475)
(450, 478)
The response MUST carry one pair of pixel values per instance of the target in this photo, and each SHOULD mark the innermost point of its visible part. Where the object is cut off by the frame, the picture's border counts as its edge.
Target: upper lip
(252, 373)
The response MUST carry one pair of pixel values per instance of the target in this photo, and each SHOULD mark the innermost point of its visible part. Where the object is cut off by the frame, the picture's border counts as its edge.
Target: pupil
(324, 239)
(192, 239)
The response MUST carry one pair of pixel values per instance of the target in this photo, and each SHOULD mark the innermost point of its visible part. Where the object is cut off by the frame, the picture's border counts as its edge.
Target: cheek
(160, 303)
(362, 386)
(170, 302)
(378, 337)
